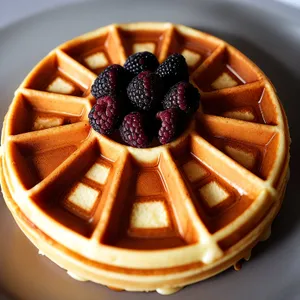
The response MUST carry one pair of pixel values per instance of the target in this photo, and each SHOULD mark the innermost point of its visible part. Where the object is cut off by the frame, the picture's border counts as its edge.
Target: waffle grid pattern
(227, 182)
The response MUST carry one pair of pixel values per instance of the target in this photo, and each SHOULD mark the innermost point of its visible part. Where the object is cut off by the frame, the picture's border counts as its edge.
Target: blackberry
(141, 61)
(145, 91)
(134, 131)
(173, 70)
(104, 115)
(111, 82)
(169, 125)
(184, 96)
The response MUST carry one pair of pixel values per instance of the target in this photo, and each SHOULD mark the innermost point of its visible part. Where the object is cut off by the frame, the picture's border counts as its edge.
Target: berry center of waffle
(144, 104)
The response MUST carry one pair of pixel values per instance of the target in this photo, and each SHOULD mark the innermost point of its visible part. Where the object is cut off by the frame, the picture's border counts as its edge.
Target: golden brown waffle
(145, 219)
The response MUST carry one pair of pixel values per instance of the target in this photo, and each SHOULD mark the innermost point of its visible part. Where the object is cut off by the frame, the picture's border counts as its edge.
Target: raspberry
(145, 91)
(134, 132)
(173, 70)
(141, 61)
(184, 96)
(110, 82)
(169, 125)
(104, 115)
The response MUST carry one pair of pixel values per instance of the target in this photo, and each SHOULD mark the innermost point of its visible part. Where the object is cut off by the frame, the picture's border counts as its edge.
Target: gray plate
(269, 33)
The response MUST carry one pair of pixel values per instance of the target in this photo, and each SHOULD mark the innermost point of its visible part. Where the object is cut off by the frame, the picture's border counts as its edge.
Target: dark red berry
(141, 61)
(134, 130)
(184, 96)
(145, 91)
(111, 82)
(173, 70)
(104, 115)
(169, 125)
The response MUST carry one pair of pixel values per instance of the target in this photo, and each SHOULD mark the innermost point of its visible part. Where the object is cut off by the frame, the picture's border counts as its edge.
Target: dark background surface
(269, 34)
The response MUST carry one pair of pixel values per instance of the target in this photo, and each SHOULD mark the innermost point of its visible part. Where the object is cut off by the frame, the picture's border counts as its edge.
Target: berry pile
(144, 100)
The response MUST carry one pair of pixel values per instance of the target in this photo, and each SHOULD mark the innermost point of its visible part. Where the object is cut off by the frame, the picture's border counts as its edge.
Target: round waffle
(145, 219)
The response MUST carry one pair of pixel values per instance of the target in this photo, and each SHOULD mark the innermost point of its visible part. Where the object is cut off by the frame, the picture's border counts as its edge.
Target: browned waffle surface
(172, 214)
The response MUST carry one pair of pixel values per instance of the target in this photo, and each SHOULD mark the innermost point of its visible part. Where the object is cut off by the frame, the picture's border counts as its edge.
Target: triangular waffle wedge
(145, 219)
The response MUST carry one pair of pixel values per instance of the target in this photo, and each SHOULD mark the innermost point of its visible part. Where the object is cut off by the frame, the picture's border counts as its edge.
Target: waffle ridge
(97, 242)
